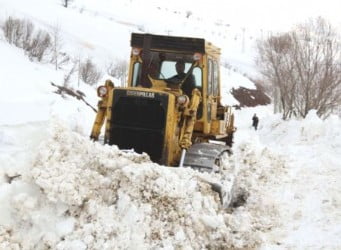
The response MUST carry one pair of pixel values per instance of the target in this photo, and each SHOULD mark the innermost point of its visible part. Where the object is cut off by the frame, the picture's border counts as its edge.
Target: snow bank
(311, 131)
(80, 194)
(308, 196)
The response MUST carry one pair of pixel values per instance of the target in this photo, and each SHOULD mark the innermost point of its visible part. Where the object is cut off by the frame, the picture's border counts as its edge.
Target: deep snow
(60, 190)
(76, 193)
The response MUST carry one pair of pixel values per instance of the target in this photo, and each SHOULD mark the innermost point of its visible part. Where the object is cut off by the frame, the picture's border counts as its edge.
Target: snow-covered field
(60, 190)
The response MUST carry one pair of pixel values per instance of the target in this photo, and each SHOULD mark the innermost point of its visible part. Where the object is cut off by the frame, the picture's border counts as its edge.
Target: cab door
(212, 89)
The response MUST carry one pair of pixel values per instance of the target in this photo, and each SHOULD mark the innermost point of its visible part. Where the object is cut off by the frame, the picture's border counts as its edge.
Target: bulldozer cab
(153, 65)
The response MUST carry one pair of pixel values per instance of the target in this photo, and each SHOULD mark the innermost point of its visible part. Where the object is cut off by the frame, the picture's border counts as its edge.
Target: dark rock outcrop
(250, 97)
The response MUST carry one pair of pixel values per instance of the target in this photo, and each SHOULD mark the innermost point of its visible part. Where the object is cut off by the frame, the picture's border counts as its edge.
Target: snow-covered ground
(76, 194)
(59, 190)
(308, 195)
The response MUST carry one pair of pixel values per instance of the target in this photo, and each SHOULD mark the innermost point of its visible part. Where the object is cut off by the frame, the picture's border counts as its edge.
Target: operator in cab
(188, 85)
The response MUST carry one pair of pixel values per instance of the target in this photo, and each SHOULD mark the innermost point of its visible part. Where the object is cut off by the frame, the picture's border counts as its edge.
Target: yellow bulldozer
(171, 107)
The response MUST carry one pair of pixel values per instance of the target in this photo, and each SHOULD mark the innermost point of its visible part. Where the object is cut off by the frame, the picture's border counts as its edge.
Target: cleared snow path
(309, 198)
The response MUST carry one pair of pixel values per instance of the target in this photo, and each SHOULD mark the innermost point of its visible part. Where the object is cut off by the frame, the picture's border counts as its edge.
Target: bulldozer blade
(224, 191)
(217, 188)
(204, 156)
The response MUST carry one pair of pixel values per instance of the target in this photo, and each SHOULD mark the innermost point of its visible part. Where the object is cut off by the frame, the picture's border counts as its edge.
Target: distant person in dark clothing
(255, 121)
(188, 85)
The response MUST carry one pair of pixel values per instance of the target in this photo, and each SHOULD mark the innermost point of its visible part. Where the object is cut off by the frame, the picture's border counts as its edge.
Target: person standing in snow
(255, 121)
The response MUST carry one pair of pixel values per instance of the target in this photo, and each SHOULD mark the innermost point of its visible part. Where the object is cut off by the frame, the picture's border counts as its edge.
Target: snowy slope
(101, 33)
(102, 30)
(26, 93)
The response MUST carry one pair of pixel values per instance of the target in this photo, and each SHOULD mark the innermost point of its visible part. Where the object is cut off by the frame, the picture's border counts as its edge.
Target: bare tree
(12, 30)
(21, 33)
(66, 3)
(39, 45)
(28, 29)
(89, 72)
(69, 74)
(304, 68)
(56, 46)
(118, 70)
(18, 32)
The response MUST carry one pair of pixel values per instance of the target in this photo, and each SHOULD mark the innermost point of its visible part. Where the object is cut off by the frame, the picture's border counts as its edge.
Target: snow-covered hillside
(60, 190)
(99, 32)
(102, 30)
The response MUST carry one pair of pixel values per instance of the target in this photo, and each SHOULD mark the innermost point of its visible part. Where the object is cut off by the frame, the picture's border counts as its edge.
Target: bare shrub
(304, 68)
(69, 74)
(10, 29)
(89, 73)
(66, 3)
(118, 70)
(39, 45)
(21, 33)
(28, 29)
(58, 58)
(18, 32)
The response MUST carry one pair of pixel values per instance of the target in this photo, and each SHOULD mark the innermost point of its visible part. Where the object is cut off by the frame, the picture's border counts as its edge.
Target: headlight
(136, 51)
(197, 56)
(183, 100)
(102, 91)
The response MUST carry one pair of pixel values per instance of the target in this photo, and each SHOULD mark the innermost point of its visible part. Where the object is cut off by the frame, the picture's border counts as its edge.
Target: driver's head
(180, 66)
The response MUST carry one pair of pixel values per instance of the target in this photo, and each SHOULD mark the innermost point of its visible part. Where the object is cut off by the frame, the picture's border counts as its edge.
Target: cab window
(215, 79)
(197, 73)
(168, 70)
(136, 74)
(210, 77)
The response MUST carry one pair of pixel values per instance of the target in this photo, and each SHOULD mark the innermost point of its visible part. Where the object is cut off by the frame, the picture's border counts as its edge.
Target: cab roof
(173, 43)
